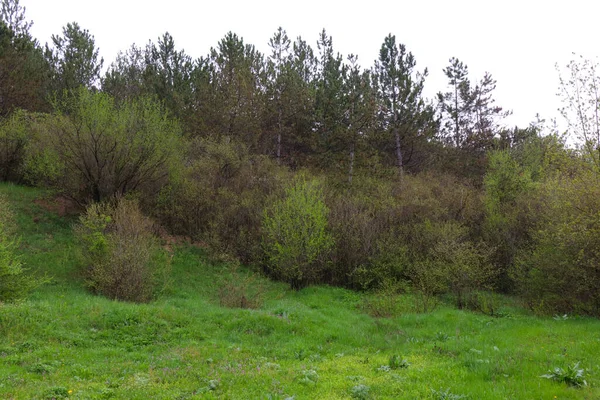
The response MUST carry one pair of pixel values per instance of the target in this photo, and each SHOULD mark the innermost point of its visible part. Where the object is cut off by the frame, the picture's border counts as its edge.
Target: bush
(296, 241)
(14, 283)
(124, 260)
(376, 223)
(240, 290)
(506, 226)
(94, 149)
(13, 142)
(559, 272)
(220, 196)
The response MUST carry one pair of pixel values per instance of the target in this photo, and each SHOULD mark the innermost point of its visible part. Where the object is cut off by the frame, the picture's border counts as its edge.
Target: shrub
(93, 149)
(13, 142)
(296, 241)
(452, 263)
(506, 227)
(14, 282)
(124, 261)
(220, 196)
(376, 224)
(240, 290)
(559, 272)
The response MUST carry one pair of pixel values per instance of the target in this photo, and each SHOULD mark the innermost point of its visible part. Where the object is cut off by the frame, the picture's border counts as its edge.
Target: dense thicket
(311, 168)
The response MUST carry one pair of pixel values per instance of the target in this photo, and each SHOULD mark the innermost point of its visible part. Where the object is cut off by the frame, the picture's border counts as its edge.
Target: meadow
(317, 343)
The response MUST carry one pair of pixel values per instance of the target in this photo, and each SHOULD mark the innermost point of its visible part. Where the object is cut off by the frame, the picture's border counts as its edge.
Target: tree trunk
(279, 127)
(399, 153)
(351, 171)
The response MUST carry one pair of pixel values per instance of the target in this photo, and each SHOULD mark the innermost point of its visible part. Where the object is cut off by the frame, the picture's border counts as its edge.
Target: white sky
(517, 41)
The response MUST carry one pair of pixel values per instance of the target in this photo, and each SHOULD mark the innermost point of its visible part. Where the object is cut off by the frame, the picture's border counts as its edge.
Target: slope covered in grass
(313, 344)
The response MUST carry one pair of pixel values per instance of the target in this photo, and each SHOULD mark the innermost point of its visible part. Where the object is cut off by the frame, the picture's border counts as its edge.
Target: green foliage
(506, 227)
(452, 263)
(56, 393)
(296, 240)
(23, 69)
(14, 138)
(123, 259)
(572, 375)
(397, 362)
(14, 282)
(360, 392)
(219, 197)
(95, 149)
(387, 301)
(558, 274)
(446, 395)
(73, 59)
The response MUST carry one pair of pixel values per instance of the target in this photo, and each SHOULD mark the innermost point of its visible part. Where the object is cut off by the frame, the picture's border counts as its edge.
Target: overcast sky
(517, 41)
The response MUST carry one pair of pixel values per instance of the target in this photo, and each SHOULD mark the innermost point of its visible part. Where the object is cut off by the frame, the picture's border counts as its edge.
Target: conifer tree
(403, 112)
(74, 59)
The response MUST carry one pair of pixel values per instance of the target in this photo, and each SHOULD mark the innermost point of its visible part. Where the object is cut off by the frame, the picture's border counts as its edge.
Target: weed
(309, 377)
(360, 392)
(56, 392)
(572, 375)
(239, 290)
(446, 395)
(397, 362)
(441, 337)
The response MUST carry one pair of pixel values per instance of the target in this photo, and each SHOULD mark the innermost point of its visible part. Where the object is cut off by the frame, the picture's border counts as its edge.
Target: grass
(317, 343)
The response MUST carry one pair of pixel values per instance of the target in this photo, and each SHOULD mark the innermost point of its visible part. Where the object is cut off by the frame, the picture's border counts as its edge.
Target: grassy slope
(313, 344)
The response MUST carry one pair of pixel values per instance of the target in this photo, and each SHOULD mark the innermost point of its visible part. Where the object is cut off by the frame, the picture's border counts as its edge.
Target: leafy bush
(559, 273)
(220, 196)
(376, 225)
(14, 138)
(124, 261)
(506, 226)
(360, 392)
(296, 240)
(94, 149)
(452, 264)
(14, 283)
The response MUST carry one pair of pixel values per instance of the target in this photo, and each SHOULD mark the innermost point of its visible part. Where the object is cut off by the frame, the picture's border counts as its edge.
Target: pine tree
(402, 110)
(74, 59)
(23, 71)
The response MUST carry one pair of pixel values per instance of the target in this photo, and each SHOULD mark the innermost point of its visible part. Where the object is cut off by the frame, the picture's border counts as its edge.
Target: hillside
(316, 343)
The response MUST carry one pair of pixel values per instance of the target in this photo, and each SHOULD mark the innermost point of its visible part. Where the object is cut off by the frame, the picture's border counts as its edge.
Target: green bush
(296, 240)
(376, 224)
(506, 226)
(559, 272)
(92, 148)
(14, 282)
(14, 138)
(219, 197)
(123, 259)
(452, 264)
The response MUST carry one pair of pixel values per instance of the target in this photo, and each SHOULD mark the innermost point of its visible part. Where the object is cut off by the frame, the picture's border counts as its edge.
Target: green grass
(313, 344)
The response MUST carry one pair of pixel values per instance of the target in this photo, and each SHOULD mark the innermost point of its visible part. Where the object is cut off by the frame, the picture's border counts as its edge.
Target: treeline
(306, 165)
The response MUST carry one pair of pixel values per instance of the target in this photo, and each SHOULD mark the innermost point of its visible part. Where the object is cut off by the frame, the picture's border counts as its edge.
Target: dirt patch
(60, 205)
(169, 241)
